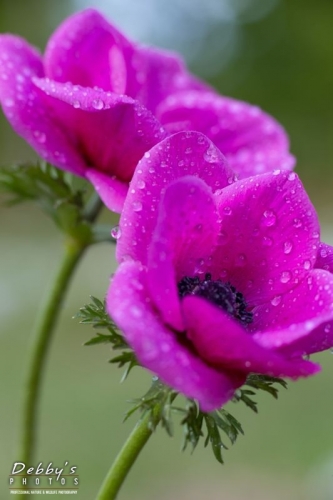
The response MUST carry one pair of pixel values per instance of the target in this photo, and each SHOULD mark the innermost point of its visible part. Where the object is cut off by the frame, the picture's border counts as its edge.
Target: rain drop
(285, 277)
(98, 104)
(268, 218)
(287, 247)
(276, 300)
(137, 206)
(141, 184)
(323, 253)
(116, 232)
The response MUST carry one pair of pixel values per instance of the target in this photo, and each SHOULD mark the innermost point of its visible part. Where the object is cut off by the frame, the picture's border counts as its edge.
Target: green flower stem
(41, 341)
(126, 458)
(45, 325)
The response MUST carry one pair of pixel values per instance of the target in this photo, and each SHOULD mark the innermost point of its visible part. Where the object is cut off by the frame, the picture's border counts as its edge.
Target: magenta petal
(87, 50)
(27, 111)
(156, 346)
(269, 236)
(111, 191)
(325, 257)
(186, 153)
(187, 230)
(112, 131)
(223, 343)
(159, 74)
(252, 141)
(299, 322)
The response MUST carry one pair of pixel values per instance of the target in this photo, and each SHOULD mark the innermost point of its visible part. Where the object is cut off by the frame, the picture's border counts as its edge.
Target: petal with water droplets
(262, 210)
(28, 111)
(87, 50)
(252, 141)
(112, 131)
(186, 231)
(224, 344)
(173, 158)
(300, 323)
(157, 347)
(325, 257)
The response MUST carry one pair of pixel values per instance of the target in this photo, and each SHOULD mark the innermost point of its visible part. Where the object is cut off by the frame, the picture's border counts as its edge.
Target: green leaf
(52, 189)
(100, 339)
(159, 401)
(214, 436)
(197, 425)
(95, 314)
(125, 358)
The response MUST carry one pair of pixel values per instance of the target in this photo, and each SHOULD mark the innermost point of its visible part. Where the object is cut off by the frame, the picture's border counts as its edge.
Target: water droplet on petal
(116, 232)
(227, 210)
(297, 223)
(137, 206)
(323, 253)
(276, 300)
(211, 154)
(307, 264)
(268, 218)
(291, 176)
(287, 247)
(285, 277)
(76, 104)
(141, 184)
(98, 104)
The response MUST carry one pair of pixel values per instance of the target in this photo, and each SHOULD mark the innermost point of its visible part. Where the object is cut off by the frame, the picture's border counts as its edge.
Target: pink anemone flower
(216, 277)
(96, 102)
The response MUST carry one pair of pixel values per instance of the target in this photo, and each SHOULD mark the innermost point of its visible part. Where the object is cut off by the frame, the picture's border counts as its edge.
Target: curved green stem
(45, 326)
(40, 345)
(125, 459)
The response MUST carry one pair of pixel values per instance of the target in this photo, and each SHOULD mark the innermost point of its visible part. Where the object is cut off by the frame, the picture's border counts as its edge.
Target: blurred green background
(279, 58)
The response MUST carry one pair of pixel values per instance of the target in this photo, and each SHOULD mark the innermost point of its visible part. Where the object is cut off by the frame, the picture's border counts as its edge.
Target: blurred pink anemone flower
(217, 277)
(96, 102)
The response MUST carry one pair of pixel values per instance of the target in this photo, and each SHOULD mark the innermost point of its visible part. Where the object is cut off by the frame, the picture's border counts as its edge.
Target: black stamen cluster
(219, 293)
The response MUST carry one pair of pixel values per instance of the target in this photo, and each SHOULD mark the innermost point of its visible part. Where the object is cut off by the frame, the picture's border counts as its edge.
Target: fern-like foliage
(159, 402)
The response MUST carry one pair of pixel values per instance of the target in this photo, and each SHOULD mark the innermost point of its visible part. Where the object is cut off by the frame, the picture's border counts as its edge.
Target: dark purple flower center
(224, 295)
